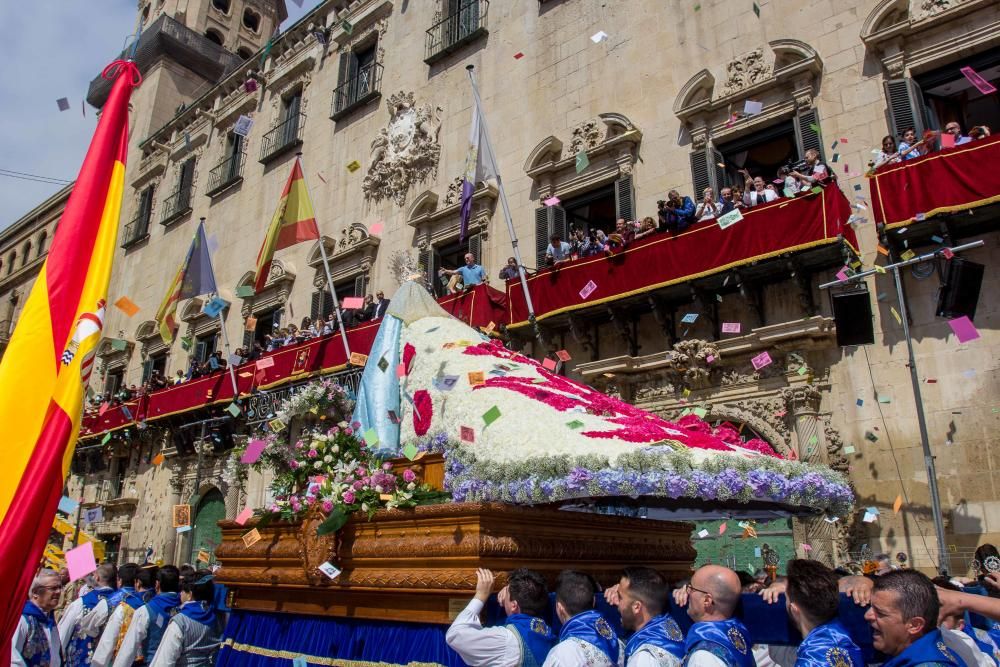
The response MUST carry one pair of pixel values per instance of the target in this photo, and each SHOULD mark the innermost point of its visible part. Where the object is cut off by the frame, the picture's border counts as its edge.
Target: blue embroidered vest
(160, 609)
(727, 640)
(590, 626)
(536, 638)
(928, 650)
(662, 632)
(983, 640)
(81, 645)
(35, 650)
(829, 645)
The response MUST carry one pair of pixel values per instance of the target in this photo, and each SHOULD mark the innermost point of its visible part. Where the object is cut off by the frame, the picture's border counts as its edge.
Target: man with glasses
(641, 597)
(36, 640)
(716, 639)
(955, 130)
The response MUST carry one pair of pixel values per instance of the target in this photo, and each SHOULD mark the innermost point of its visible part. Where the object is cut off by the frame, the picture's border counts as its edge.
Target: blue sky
(52, 49)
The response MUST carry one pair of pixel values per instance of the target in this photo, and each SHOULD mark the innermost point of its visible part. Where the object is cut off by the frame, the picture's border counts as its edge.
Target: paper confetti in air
(731, 327)
(253, 451)
(410, 451)
(63, 104)
(729, 219)
(703, 533)
(756, 9)
(80, 561)
(690, 318)
(476, 378)
(158, 459)
(127, 306)
(352, 302)
(895, 313)
(908, 255)
(376, 228)
(884, 399)
(761, 360)
(981, 84)
(551, 201)
(947, 253)
(333, 572)
(244, 516)
(468, 434)
(898, 504)
(265, 362)
(353, 166)
(806, 547)
(598, 37)
(575, 424)
(371, 437)
(183, 529)
(518, 55)
(358, 359)
(234, 409)
(582, 161)
(491, 415)
(67, 505)
(588, 289)
(751, 107)
(548, 363)
(252, 538)
(964, 329)
(848, 449)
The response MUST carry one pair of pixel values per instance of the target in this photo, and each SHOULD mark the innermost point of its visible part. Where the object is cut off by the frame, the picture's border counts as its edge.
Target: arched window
(244, 53)
(221, 5)
(145, 14)
(26, 253)
(251, 19)
(214, 36)
(42, 238)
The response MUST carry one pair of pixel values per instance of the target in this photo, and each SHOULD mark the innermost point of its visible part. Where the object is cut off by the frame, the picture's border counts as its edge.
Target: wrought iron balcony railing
(457, 29)
(226, 173)
(283, 138)
(176, 205)
(356, 91)
(136, 230)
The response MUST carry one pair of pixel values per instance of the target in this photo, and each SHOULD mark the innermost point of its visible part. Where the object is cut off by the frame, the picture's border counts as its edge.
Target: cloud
(54, 49)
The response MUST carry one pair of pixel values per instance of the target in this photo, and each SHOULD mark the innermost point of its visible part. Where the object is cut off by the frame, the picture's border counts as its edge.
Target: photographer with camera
(811, 172)
(676, 214)
(756, 191)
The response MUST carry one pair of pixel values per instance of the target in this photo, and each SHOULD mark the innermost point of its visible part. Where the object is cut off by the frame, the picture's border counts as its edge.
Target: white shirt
(575, 652)
(707, 211)
(966, 648)
(94, 620)
(21, 634)
(105, 649)
(645, 657)
(170, 648)
(72, 615)
(774, 656)
(479, 646)
(134, 637)
(704, 659)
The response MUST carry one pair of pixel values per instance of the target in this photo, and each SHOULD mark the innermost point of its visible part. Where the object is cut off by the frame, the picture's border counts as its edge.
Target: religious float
(459, 454)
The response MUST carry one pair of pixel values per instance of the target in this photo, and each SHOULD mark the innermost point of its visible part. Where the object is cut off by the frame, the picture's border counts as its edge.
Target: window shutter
(359, 285)
(344, 68)
(720, 179)
(147, 370)
(248, 339)
(805, 135)
(145, 208)
(315, 308)
(427, 266)
(905, 106)
(699, 172)
(549, 220)
(476, 247)
(199, 351)
(187, 175)
(624, 198)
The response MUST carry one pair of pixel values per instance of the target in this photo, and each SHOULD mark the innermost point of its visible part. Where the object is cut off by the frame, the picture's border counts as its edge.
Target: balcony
(456, 30)
(227, 173)
(110, 494)
(176, 206)
(283, 138)
(357, 91)
(135, 231)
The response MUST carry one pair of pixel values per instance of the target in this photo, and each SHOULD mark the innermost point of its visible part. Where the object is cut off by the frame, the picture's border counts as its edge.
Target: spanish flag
(50, 354)
(293, 222)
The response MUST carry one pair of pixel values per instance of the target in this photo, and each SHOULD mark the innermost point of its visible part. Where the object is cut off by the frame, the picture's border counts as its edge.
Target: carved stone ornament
(686, 363)
(585, 136)
(404, 152)
(744, 71)
(932, 7)
(454, 193)
(351, 236)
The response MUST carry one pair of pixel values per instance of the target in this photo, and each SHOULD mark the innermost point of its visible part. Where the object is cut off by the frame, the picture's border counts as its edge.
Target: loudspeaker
(852, 313)
(959, 293)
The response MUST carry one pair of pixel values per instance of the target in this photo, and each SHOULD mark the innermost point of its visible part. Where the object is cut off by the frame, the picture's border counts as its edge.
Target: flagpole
(329, 278)
(503, 202)
(229, 354)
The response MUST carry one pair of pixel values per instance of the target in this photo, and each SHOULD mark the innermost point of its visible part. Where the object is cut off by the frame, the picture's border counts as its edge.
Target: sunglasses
(692, 588)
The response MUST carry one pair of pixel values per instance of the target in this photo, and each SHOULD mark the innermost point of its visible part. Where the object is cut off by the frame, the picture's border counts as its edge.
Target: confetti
(353, 166)
(729, 219)
(63, 104)
(848, 449)
(476, 378)
(332, 572)
(860, 402)
(491, 415)
(253, 451)
(234, 409)
(127, 306)
(243, 126)
(806, 547)
(401, 370)
(588, 289)
(158, 459)
(710, 358)
(756, 9)
(871, 436)
(518, 55)
(352, 302)
(67, 505)
(357, 359)
(722, 528)
(898, 504)
(376, 228)
(347, 26)
(244, 516)
(410, 451)
(751, 108)
(371, 437)
(690, 318)
(885, 400)
(700, 412)
(895, 313)
(468, 434)
(551, 201)
(963, 329)
(252, 538)
(947, 253)
(598, 37)
(761, 360)
(563, 355)
(582, 161)
(908, 255)
(703, 533)
(731, 327)
(981, 84)
(548, 363)
(265, 362)
(80, 561)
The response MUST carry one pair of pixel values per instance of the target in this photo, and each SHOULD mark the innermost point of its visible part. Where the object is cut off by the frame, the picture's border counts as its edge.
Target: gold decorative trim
(315, 659)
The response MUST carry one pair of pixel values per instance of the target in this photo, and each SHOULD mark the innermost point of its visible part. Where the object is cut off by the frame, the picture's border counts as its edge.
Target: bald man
(716, 639)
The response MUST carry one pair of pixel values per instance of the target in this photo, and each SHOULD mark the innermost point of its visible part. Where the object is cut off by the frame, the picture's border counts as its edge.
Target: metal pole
(922, 423)
(503, 202)
(229, 353)
(329, 279)
(932, 482)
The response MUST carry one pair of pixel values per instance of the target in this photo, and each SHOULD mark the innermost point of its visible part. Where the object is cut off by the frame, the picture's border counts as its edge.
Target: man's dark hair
(528, 589)
(169, 579)
(127, 573)
(186, 569)
(576, 591)
(147, 577)
(915, 595)
(200, 584)
(943, 581)
(813, 587)
(107, 574)
(555, 237)
(648, 587)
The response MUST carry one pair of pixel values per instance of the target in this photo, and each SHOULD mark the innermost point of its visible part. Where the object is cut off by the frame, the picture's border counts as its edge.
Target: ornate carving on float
(314, 550)
(745, 70)
(404, 152)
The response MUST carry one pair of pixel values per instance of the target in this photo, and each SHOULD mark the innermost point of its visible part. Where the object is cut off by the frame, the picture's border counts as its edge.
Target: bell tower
(239, 26)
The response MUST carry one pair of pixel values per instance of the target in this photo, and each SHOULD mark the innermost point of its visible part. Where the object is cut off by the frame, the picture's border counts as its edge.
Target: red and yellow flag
(51, 352)
(293, 222)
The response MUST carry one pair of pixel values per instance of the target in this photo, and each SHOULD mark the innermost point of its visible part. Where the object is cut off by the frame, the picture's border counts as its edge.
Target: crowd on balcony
(909, 148)
(901, 613)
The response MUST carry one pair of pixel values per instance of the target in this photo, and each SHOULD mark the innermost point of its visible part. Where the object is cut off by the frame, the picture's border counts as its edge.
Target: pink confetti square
(401, 371)
(563, 355)
(551, 201)
(80, 561)
(253, 451)
(376, 228)
(244, 516)
(549, 364)
(588, 289)
(761, 360)
(468, 435)
(731, 327)
(265, 362)
(351, 302)
(964, 329)
(710, 358)
(842, 274)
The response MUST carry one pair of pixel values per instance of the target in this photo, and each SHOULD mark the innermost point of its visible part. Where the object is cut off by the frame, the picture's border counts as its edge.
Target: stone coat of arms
(404, 152)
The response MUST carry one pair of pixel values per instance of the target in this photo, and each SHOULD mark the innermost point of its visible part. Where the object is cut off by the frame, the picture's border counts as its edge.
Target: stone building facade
(375, 95)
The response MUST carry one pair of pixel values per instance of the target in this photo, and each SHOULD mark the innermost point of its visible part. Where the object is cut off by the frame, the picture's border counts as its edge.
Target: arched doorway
(206, 534)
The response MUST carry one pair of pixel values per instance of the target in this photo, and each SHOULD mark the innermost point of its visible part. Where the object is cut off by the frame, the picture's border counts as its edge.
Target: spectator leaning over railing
(676, 213)
(955, 130)
(907, 148)
(509, 271)
(558, 249)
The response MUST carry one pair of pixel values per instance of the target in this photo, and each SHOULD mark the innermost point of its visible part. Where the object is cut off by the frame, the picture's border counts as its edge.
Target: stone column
(176, 487)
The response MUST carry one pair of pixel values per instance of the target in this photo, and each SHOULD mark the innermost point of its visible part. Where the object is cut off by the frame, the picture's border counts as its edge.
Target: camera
(800, 166)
